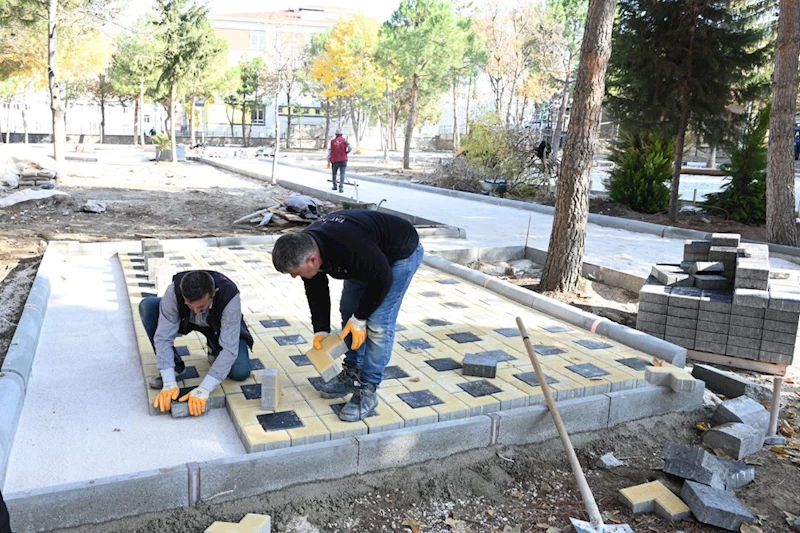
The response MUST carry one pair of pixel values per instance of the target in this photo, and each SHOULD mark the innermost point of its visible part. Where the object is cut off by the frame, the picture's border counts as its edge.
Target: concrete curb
(16, 370)
(636, 226)
(602, 326)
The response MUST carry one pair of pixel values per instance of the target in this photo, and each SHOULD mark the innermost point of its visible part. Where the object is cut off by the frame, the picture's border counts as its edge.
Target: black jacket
(227, 290)
(357, 244)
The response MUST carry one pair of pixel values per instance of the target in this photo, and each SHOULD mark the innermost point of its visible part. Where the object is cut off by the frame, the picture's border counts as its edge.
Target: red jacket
(339, 149)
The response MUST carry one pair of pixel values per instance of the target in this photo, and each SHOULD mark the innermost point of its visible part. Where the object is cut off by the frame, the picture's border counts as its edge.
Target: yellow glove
(319, 336)
(358, 329)
(165, 396)
(197, 401)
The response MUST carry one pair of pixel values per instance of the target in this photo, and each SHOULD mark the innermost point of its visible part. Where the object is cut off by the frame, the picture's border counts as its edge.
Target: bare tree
(781, 225)
(568, 236)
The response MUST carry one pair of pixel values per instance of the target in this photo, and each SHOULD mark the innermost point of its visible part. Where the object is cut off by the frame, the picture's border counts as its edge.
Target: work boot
(341, 189)
(157, 383)
(341, 385)
(361, 405)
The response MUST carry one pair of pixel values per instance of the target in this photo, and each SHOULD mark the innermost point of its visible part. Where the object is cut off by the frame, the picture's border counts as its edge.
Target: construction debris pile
(724, 299)
(29, 171)
(295, 208)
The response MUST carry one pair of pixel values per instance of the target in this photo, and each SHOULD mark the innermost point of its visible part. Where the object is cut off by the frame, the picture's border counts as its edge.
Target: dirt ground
(503, 490)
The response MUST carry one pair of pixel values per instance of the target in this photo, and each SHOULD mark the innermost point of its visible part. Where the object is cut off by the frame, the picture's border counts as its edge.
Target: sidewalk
(489, 225)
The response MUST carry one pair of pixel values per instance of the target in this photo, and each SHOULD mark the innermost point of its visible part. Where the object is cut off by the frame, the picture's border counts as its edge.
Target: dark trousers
(149, 311)
(341, 166)
(5, 521)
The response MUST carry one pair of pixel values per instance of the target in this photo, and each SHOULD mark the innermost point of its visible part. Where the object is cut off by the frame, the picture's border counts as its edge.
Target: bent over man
(204, 301)
(376, 254)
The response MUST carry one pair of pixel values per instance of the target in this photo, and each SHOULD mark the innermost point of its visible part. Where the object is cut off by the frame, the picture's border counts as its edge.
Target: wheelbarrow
(362, 205)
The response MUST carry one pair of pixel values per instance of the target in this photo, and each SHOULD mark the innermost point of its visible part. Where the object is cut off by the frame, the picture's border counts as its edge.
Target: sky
(380, 9)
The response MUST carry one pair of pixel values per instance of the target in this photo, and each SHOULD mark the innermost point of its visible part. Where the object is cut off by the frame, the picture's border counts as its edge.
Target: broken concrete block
(608, 461)
(737, 474)
(673, 377)
(270, 389)
(251, 523)
(695, 464)
(654, 496)
(479, 365)
(726, 239)
(324, 358)
(744, 410)
(672, 276)
(716, 507)
(737, 440)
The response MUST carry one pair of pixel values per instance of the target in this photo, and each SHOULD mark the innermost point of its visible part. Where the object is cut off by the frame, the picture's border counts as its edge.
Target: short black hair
(197, 284)
(291, 250)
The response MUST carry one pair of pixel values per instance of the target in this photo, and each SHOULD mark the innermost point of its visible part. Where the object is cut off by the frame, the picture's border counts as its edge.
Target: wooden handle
(586, 493)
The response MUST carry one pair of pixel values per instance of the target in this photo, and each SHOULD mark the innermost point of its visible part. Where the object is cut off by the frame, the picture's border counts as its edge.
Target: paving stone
(680, 341)
(753, 250)
(269, 390)
(300, 360)
(508, 332)
(752, 269)
(681, 331)
(745, 410)
(688, 297)
(588, 370)
(656, 318)
(556, 329)
(444, 364)
(476, 389)
(648, 401)
(681, 323)
(748, 283)
(774, 440)
(735, 439)
(751, 298)
(533, 380)
(651, 328)
(593, 344)
(694, 463)
(711, 327)
(447, 281)
(655, 292)
(744, 342)
(725, 239)
(543, 349)
(748, 311)
(435, 322)
(716, 301)
(778, 347)
(290, 340)
(716, 507)
(713, 316)
(526, 425)
(711, 281)
(415, 344)
(635, 363)
(722, 382)
(710, 347)
(702, 267)
(455, 305)
(654, 497)
(251, 523)
(722, 253)
(782, 300)
(744, 352)
(275, 323)
(479, 365)
(780, 327)
(652, 307)
(682, 312)
(746, 321)
(498, 355)
(430, 294)
(421, 398)
(687, 256)
(747, 332)
(394, 372)
(696, 247)
(252, 391)
(279, 421)
(675, 378)
(782, 316)
(737, 474)
(464, 337)
(712, 338)
(672, 276)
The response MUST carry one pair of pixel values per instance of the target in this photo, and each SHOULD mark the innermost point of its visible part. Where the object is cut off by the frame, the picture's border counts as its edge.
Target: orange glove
(358, 331)
(319, 336)
(165, 396)
(197, 401)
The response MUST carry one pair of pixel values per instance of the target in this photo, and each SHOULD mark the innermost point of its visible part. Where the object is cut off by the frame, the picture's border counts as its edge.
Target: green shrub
(642, 169)
(488, 148)
(744, 196)
(162, 141)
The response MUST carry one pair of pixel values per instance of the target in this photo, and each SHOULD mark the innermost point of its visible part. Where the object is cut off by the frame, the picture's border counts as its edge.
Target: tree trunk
(7, 138)
(510, 102)
(711, 160)
(172, 144)
(327, 123)
(192, 136)
(412, 111)
(136, 122)
(562, 269)
(102, 119)
(387, 125)
(141, 110)
(555, 141)
(288, 119)
(274, 178)
(24, 122)
(56, 106)
(466, 114)
(456, 135)
(781, 220)
(244, 133)
(678, 161)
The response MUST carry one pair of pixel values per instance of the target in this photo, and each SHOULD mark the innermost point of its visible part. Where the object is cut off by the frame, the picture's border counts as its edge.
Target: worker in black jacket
(5, 520)
(376, 254)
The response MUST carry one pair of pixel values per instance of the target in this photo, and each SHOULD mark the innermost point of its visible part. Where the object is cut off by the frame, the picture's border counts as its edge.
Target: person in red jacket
(337, 157)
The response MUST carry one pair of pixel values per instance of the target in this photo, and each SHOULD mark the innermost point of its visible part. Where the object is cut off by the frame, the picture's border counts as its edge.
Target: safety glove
(165, 396)
(357, 329)
(197, 400)
(319, 336)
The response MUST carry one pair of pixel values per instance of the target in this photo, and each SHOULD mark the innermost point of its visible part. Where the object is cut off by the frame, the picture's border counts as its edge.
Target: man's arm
(348, 147)
(229, 341)
(319, 301)
(329, 152)
(166, 331)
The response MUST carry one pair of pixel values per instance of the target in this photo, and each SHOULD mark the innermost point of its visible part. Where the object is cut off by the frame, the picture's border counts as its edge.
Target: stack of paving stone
(159, 270)
(723, 299)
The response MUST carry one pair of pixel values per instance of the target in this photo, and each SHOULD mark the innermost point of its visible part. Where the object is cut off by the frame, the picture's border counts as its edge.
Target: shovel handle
(586, 493)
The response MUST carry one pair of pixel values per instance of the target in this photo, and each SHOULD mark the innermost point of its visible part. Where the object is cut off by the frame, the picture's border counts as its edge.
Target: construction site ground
(520, 489)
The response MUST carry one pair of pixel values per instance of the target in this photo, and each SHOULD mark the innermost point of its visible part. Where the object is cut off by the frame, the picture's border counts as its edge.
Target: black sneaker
(341, 385)
(361, 405)
(341, 189)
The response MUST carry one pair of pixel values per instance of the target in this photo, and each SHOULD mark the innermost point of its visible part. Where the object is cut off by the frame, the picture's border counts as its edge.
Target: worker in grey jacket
(203, 301)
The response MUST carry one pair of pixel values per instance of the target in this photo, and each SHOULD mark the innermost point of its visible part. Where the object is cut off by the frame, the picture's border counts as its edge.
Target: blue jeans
(149, 312)
(341, 166)
(373, 356)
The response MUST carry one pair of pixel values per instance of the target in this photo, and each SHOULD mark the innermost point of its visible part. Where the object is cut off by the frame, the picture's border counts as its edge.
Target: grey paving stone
(711, 281)
(683, 323)
(744, 342)
(746, 321)
(300, 360)
(749, 332)
(722, 253)
(274, 323)
(635, 363)
(782, 316)
(714, 338)
(744, 352)
(737, 474)
(744, 410)
(716, 301)
(748, 283)
(688, 297)
(588, 370)
(716, 507)
(751, 249)
(710, 347)
(653, 307)
(556, 328)
(725, 239)
(435, 322)
(735, 439)
(777, 347)
(781, 300)
(608, 461)
(771, 357)
(783, 338)
(672, 276)
(695, 464)
(593, 344)
(713, 316)
(415, 344)
(752, 269)
(479, 365)
(479, 388)
(508, 332)
(711, 327)
(542, 349)
(681, 331)
(722, 382)
(443, 364)
(682, 312)
(533, 380)
(422, 398)
(650, 400)
(464, 337)
(752, 312)
(696, 247)
(655, 318)
(688, 256)
(780, 327)
(654, 292)
(290, 340)
(498, 355)
(751, 298)
(680, 341)
(702, 267)
(651, 328)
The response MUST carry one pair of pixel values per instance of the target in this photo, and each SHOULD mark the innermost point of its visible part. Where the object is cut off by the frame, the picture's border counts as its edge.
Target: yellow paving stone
(238, 402)
(230, 386)
(415, 417)
(451, 409)
(386, 419)
(511, 397)
(654, 496)
(389, 394)
(480, 405)
(322, 406)
(343, 430)
(255, 439)
(251, 523)
(313, 430)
